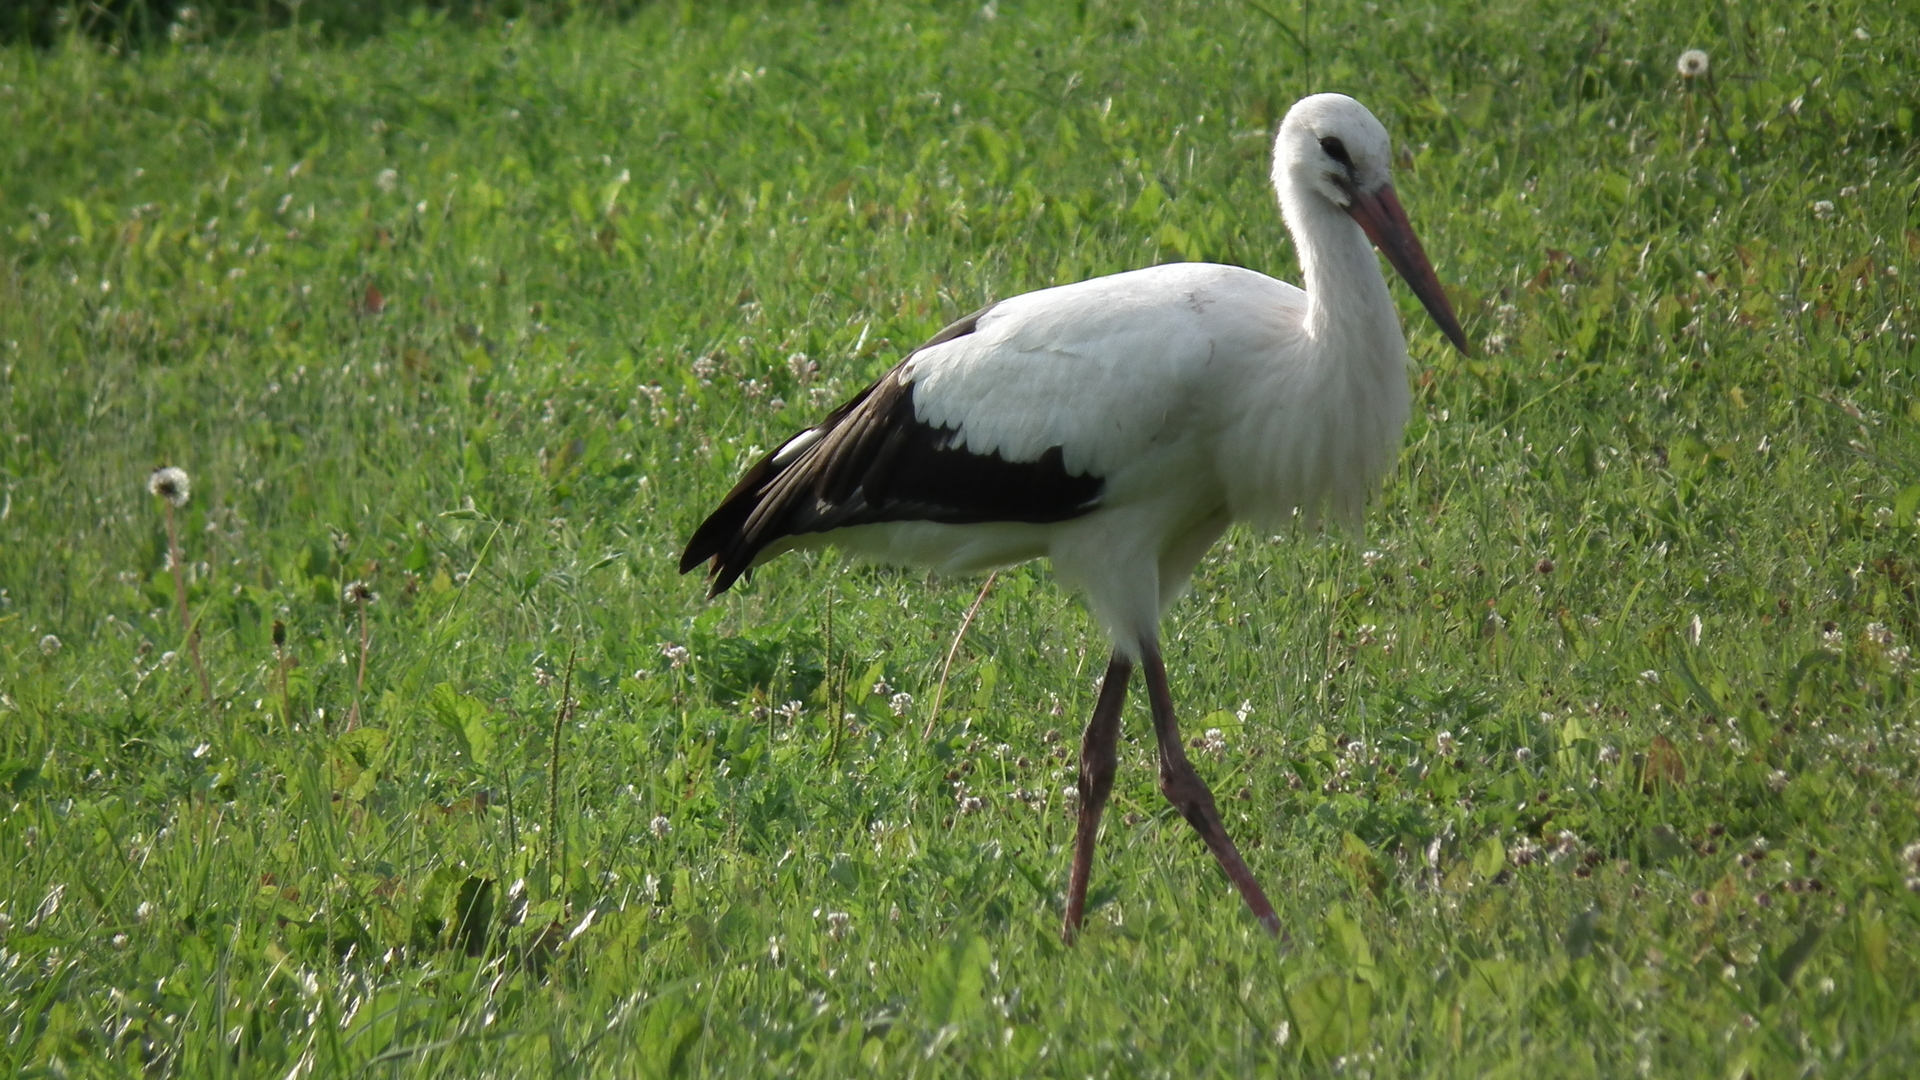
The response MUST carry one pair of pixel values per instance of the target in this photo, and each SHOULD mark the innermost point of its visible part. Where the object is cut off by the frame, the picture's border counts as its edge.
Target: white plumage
(1117, 426)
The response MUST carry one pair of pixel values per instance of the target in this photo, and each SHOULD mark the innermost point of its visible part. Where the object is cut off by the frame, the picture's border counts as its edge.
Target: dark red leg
(1189, 795)
(1099, 759)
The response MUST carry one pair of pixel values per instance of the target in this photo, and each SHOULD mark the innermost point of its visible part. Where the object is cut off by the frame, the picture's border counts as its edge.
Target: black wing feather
(874, 462)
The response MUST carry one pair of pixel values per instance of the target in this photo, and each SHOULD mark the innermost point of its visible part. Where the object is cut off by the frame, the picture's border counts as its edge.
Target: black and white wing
(873, 460)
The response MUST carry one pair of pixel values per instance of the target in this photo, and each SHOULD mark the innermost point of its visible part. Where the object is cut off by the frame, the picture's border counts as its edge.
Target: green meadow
(399, 748)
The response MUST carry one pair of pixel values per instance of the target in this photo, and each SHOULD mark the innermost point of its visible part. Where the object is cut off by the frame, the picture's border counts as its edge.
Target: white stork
(1117, 426)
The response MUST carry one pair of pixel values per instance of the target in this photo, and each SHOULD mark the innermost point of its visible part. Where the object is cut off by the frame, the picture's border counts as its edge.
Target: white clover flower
(358, 592)
(1214, 741)
(971, 804)
(1445, 744)
(170, 483)
(881, 689)
(387, 179)
(1823, 209)
(838, 923)
(1523, 755)
(660, 827)
(901, 702)
(1523, 853)
(1609, 755)
(677, 655)
(1693, 64)
(802, 368)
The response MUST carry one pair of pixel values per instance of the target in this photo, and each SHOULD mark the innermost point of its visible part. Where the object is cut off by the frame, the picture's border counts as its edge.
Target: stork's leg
(1189, 794)
(1099, 759)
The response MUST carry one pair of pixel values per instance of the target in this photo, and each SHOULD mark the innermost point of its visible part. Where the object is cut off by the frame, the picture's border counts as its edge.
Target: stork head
(1330, 147)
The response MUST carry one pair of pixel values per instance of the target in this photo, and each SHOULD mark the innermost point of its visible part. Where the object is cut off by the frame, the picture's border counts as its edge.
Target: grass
(1597, 757)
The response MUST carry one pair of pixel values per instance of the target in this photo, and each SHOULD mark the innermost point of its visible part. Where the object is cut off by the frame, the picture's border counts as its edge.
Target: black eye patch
(1337, 150)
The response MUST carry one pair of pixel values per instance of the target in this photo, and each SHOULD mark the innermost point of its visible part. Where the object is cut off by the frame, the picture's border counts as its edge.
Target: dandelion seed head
(49, 645)
(1693, 64)
(170, 483)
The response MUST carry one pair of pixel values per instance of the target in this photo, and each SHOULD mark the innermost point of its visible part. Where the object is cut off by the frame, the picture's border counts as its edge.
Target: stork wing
(872, 460)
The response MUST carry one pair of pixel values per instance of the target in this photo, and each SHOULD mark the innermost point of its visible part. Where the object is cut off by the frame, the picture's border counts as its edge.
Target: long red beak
(1385, 222)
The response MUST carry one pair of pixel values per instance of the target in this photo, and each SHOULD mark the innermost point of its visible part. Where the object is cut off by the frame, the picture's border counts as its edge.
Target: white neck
(1347, 300)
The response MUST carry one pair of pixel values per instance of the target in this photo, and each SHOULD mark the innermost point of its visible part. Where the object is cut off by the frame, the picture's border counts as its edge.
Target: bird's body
(1117, 426)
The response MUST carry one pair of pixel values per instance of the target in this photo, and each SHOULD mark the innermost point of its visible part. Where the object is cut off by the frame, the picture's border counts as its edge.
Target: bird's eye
(1337, 150)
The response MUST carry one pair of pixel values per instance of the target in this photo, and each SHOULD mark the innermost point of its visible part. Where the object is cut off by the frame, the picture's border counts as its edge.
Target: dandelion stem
(189, 630)
(360, 680)
(833, 698)
(284, 661)
(556, 846)
(940, 691)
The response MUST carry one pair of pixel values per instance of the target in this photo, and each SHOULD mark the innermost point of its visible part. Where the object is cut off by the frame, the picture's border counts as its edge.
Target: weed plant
(1596, 757)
